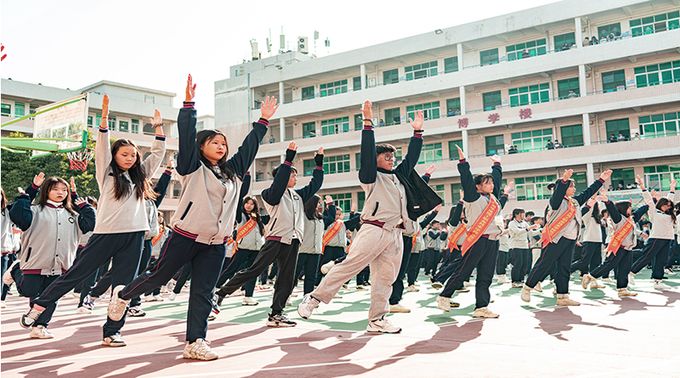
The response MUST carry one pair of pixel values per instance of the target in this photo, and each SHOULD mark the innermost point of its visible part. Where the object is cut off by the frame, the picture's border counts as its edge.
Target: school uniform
(591, 241)
(310, 250)
(659, 243)
(335, 248)
(503, 258)
(455, 257)
(431, 249)
(519, 249)
(118, 234)
(203, 221)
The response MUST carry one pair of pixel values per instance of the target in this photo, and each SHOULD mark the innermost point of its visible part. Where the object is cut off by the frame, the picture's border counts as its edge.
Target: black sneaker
(28, 319)
(136, 312)
(280, 320)
(220, 299)
(215, 308)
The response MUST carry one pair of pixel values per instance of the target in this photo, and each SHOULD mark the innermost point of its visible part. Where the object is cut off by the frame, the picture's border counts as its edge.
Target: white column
(282, 135)
(461, 95)
(281, 92)
(582, 87)
(586, 129)
(579, 34)
(590, 173)
(459, 53)
(362, 72)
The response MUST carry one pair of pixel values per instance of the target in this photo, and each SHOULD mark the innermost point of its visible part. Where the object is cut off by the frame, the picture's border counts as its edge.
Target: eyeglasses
(389, 157)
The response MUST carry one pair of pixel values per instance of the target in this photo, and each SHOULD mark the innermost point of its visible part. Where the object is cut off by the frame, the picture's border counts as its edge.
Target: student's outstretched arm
(161, 187)
(454, 214)
(560, 190)
(415, 145)
(154, 160)
(86, 215)
(273, 194)
(470, 193)
(102, 150)
(317, 178)
(593, 188)
(369, 168)
(188, 155)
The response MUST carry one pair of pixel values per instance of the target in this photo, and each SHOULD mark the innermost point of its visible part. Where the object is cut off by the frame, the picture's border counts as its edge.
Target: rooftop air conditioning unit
(303, 45)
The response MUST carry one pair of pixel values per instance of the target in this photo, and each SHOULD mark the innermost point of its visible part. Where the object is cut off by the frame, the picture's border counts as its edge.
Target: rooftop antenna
(282, 42)
(255, 53)
(316, 38)
(269, 42)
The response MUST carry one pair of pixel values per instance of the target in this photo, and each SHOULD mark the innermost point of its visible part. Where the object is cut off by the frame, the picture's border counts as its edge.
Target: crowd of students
(223, 239)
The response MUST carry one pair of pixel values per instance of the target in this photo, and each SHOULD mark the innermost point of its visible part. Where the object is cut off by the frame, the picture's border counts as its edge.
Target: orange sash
(244, 230)
(231, 240)
(455, 235)
(558, 224)
(330, 234)
(618, 237)
(158, 237)
(414, 239)
(481, 224)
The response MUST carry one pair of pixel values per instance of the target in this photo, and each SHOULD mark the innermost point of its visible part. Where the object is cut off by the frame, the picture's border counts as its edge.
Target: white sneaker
(564, 300)
(325, 268)
(444, 303)
(659, 285)
(631, 278)
(199, 350)
(250, 301)
(463, 290)
(171, 285)
(412, 289)
(538, 287)
(382, 325)
(3, 304)
(83, 310)
(361, 287)
(399, 309)
(114, 341)
(40, 332)
(171, 296)
(516, 285)
(595, 285)
(7, 278)
(307, 306)
(526, 293)
(117, 305)
(625, 293)
(501, 279)
(484, 312)
(437, 285)
(585, 280)
(668, 271)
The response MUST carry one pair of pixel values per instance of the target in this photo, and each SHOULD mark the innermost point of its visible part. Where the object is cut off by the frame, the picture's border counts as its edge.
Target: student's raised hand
(673, 183)
(462, 194)
(72, 184)
(105, 113)
(39, 179)
(328, 199)
(157, 122)
(417, 123)
(292, 146)
(656, 195)
(606, 175)
(21, 190)
(80, 201)
(190, 90)
(495, 159)
(591, 201)
(567, 174)
(461, 154)
(438, 208)
(319, 151)
(269, 107)
(640, 182)
(367, 111)
(430, 169)
(509, 188)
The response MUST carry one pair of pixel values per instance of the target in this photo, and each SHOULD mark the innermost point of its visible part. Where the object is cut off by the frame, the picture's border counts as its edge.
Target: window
(572, 136)
(112, 124)
(98, 120)
(335, 126)
(495, 145)
(564, 41)
(455, 193)
(123, 126)
(491, 100)
(534, 140)
(453, 107)
(309, 130)
(358, 121)
(307, 93)
(6, 110)
(361, 199)
(532, 94)
(430, 110)
(134, 126)
(89, 121)
(451, 64)
(148, 129)
(659, 177)
(526, 49)
(308, 167)
(655, 74)
(453, 151)
(176, 189)
(622, 177)
(613, 81)
(533, 188)
(618, 126)
(609, 30)
(331, 165)
(430, 153)
(488, 57)
(568, 88)
(19, 109)
(343, 201)
(149, 99)
(439, 189)
(421, 71)
(580, 181)
(390, 77)
(392, 116)
(334, 88)
(356, 83)
(32, 108)
(655, 24)
(659, 125)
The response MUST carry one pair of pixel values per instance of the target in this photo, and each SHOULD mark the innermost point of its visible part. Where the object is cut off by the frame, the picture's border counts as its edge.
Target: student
(284, 233)
(519, 246)
(392, 197)
(619, 250)
(52, 229)
(312, 241)
(432, 237)
(334, 241)
(156, 245)
(7, 244)
(455, 239)
(482, 204)
(559, 236)
(503, 257)
(591, 240)
(86, 302)
(658, 246)
(121, 220)
(203, 221)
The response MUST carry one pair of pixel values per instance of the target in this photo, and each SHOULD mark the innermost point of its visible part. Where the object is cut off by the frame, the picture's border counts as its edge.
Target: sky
(155, 44)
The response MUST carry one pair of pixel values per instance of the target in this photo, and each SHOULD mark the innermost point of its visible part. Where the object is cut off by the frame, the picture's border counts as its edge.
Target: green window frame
(336, 164)
(335, 126)
(123, 126)
(622, 177)
(390, 76)
(532, 140)
(6, 110)
(491, 100)
(563, 42)
(430, 110)
(526, 49)
(308, 166)
(307, 93)
(659, 125)
(606, 30)
(356, 83)
(97, 120)
(580, 181)
(308, 130)
(451, 64)
(495, 145)
(392, 116)
(112, 124)
(616, 126)
(568, 88)
(430, 153)
(659, 176)
(655, 24)
(134, 126)
(455, 193)
(488, 57)
(89, 121)
(333, 88)
(453, 107)
(361, 200)
(533, 188)
(655, 74)
(440, 189)
(358, 121)
(421, 71)
(532, 94)
(19, 109)
(612, 80)
(572, 135)
(453, 151)
(344, 202)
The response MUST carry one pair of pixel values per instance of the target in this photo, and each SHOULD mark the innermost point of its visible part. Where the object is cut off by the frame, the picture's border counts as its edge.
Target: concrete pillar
(582, 87)
(578, 35)
(459, 54)
(362, 72)
(281, 92)
(282, 134)
(586, 129)
(590, 173)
